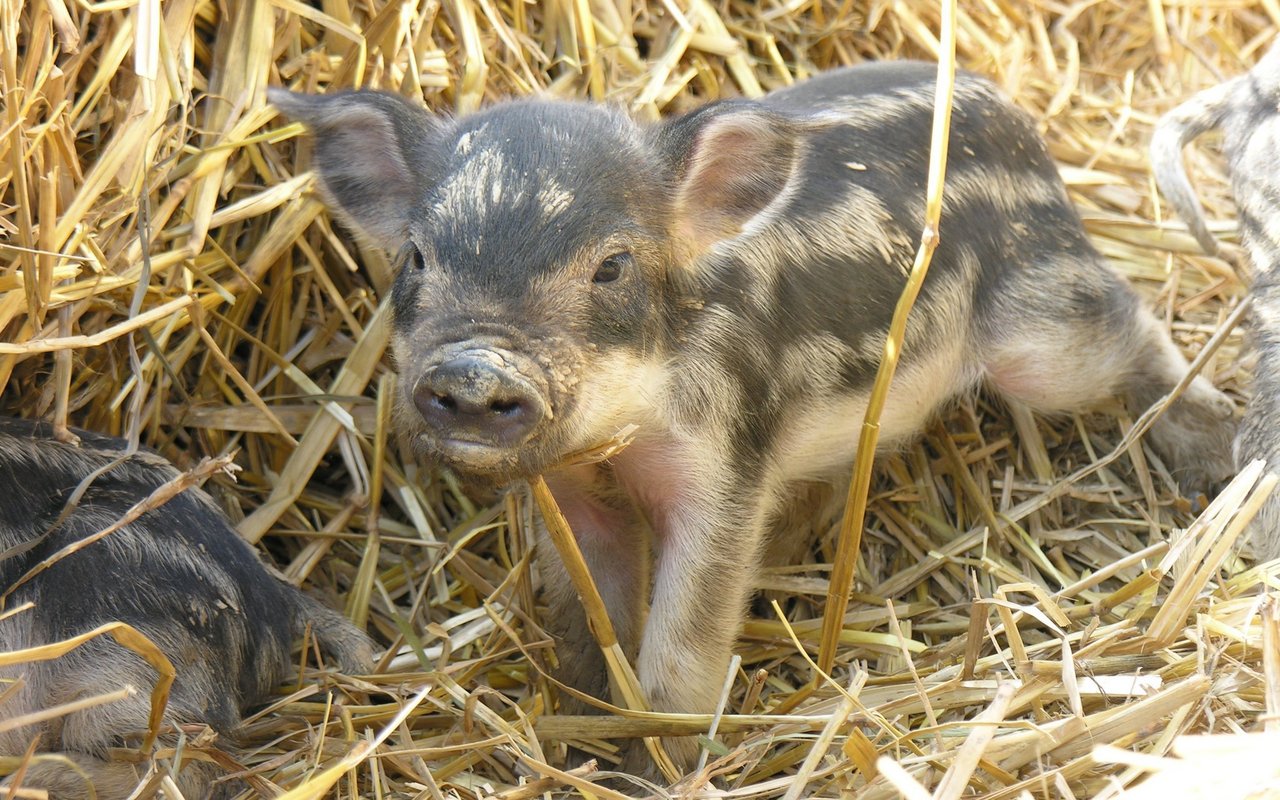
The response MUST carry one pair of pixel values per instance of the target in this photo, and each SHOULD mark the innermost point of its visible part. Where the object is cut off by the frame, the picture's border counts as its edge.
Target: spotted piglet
(1247, 111)
(178, 573)
(724, 280)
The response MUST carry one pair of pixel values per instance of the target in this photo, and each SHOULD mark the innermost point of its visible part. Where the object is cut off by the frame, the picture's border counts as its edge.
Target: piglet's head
(548, 254)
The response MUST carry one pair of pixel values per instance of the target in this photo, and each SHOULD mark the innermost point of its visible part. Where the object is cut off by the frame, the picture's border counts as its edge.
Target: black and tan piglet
(179, 574)
(1247, 111)
(724, 280)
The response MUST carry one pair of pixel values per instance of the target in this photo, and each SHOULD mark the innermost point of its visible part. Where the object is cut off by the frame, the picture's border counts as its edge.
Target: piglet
(179, 574)
(1247, 111)
(723, 280)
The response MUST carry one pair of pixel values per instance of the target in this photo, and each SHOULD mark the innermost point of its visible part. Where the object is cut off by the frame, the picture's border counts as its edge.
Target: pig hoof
(636, 761)
(682, 750)
(1194, 436)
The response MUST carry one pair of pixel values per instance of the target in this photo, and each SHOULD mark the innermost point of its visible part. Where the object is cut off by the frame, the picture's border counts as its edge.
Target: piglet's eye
(412, 257)
(612, 268)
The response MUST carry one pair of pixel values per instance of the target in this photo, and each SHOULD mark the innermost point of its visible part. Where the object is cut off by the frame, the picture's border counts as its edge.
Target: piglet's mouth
(466, 455)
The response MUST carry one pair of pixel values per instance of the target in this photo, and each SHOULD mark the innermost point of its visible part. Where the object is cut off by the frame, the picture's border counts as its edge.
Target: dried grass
(1036, 613)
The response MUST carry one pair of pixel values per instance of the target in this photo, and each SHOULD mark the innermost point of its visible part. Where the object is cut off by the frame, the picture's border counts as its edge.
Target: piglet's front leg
(612, 541)
(708, 531)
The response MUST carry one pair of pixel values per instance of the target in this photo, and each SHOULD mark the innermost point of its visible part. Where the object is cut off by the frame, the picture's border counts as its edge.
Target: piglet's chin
(476, 462)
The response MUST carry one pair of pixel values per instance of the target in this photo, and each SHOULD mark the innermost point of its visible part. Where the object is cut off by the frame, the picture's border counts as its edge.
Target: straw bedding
(166, 269)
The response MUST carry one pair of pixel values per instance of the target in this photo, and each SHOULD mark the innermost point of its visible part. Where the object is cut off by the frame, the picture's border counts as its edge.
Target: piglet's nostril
(505, 406)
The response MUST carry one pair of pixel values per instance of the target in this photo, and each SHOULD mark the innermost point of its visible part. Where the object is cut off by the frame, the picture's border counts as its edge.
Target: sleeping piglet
(179, 574)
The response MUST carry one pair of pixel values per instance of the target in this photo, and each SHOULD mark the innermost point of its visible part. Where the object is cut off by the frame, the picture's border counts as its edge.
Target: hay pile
(166, 269)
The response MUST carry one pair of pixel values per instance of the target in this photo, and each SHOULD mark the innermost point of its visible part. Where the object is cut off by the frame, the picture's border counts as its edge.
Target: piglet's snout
(478, 397)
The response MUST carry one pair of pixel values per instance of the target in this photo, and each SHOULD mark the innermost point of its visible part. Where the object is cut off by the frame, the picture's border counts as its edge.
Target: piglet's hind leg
(1081, 336)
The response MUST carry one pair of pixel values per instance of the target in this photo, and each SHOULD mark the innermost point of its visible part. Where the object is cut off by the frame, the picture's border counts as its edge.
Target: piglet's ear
(374, 154)
(732, 160)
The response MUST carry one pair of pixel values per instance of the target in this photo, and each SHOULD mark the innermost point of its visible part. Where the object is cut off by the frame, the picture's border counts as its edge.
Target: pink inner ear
(740, 163)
